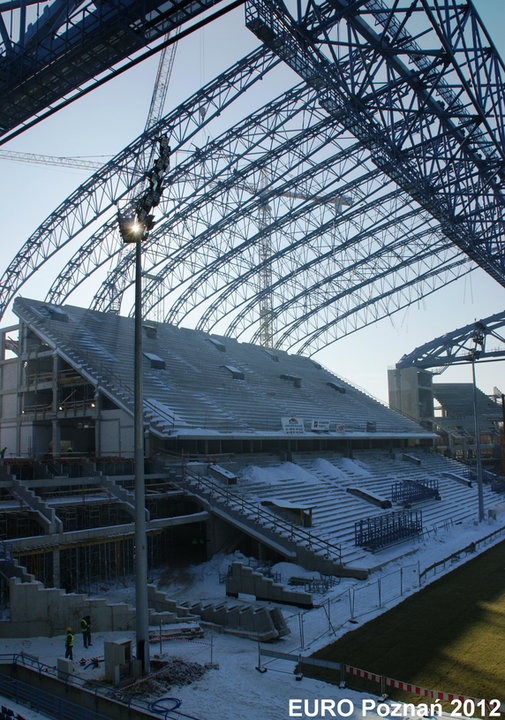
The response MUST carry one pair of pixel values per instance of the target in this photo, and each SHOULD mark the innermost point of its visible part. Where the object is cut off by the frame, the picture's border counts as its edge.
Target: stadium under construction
(351, 477)
(374, 181)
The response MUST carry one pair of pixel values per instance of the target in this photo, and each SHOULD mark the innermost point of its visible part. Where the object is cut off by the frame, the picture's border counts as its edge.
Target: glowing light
(136, 228)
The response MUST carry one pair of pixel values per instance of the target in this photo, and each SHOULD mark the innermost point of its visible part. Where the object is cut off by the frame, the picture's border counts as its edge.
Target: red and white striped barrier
(363, 673)
(409, 687)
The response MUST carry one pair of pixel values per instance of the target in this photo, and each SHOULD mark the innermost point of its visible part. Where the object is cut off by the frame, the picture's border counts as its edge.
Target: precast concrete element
(245, 620)
(37, 610)
(244, 579)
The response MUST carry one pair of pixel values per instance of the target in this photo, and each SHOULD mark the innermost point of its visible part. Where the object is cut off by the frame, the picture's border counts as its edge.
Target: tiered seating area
(203, 386)
(320, 480)
(190, 388)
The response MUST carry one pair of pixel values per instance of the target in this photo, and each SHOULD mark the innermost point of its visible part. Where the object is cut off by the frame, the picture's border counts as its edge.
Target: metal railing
(455, 556)
(259, 516)
(65, 710)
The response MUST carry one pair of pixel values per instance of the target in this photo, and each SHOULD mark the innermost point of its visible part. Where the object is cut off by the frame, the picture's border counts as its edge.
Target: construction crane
(33, 158)
(266, 322)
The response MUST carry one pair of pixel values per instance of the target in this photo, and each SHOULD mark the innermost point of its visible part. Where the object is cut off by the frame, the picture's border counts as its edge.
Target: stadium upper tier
(197, 384)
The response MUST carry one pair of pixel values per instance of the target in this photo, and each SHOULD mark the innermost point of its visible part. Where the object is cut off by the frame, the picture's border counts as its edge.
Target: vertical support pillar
(478, 459)
(56, 569)
(21, 383)
(56, 429)
(142, 611)
(98, 419)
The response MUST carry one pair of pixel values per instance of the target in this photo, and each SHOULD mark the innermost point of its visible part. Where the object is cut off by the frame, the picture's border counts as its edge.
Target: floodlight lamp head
(130, 228)
(136, 227)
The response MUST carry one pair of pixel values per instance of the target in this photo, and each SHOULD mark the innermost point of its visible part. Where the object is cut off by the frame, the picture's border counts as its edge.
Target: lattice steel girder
(325, 330)
(349, 258)
(299, 232)
(120, 176)
(189, 190)
(429, 69)
(52, 50)
(458, 347)
(238, 223)
(309, 281)
(310, 322)
(195, 194)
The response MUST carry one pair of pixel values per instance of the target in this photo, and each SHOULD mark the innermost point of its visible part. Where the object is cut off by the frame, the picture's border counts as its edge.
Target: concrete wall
(116, 432)
(244, 579)
(9, 374)
(95, 701)
(9, 405)
(8, 437)
(410, 392)
(37, 610)
(26, 440)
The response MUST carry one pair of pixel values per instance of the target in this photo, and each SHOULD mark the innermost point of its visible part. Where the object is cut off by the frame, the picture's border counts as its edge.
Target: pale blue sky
(112, 116)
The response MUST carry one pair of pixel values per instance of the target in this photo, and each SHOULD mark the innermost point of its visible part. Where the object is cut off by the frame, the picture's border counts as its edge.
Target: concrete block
(65, 668)
(279, 622)
(164, 617)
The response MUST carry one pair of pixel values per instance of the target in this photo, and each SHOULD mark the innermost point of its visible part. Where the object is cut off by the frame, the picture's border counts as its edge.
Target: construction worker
(86, 630)
(69, 644)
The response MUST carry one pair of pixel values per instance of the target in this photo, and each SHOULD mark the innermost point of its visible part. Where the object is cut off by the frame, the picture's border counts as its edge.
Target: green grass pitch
(450, 636)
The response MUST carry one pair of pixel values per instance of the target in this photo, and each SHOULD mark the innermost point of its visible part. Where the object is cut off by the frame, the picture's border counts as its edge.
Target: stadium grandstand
(246, 448)
(174, 443)
(448, 410)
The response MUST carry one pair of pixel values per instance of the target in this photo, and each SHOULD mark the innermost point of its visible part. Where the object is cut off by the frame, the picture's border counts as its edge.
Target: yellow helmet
(69, 629)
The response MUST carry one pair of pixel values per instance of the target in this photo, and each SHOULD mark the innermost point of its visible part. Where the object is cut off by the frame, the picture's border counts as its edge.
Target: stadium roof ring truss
(371, 184)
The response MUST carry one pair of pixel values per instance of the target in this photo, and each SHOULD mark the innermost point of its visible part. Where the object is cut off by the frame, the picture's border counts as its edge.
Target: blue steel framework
(381, 530)
(407, 491)
(52, 52)
(460, 347)
(351, 196)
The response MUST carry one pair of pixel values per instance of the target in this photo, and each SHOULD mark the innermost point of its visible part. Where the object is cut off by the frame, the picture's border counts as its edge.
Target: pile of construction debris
(172, 673)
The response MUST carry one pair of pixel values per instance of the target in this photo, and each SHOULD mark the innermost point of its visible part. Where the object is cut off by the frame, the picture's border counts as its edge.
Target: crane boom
(33, 158)
(163, 74)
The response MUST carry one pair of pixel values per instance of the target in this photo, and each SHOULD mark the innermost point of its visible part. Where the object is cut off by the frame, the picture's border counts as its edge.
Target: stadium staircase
(248, 515)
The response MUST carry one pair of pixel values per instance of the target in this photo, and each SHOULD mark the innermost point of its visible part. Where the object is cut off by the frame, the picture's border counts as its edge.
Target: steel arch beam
(303, 286)
(120, 176)
(217, 309)
(437, 96)
(213, 187)
(315, 341)
(458, 347)
(242, 319)
(121, 278)
(322, 195)
(203, 189)
(395, 286)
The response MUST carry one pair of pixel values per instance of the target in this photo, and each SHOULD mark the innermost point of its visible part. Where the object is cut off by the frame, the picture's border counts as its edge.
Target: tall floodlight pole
(134, 229)
(478, 339)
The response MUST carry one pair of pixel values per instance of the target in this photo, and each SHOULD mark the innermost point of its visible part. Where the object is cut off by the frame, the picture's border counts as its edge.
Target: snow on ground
(235, 689)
